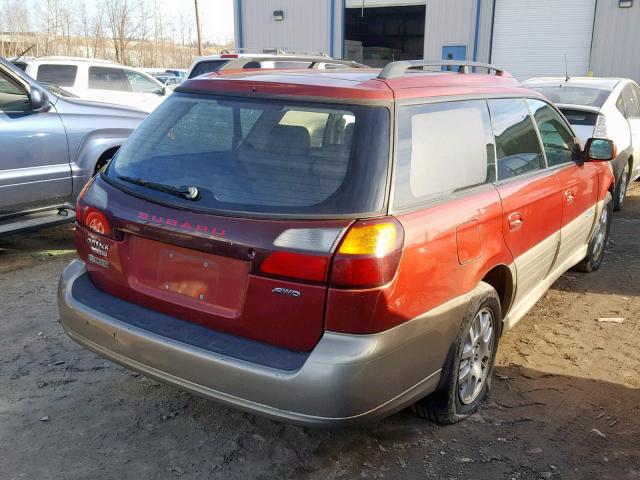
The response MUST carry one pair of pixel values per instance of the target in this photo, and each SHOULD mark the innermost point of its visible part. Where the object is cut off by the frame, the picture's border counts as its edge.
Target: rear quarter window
(442, 148)
(61, 75)
(631, 101)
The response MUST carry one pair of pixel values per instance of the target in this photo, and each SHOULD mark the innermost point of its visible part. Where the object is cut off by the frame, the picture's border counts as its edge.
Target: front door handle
(515, 221)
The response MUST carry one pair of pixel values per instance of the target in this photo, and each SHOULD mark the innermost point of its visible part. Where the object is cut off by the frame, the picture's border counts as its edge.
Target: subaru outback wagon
(330, 247)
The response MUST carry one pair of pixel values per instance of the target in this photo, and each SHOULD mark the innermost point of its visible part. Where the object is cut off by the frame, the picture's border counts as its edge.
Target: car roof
(586, 82)
(353, 84)
(63, 59)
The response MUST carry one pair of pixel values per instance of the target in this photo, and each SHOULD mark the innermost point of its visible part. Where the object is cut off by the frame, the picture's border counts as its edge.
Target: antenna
(24, 53)
(566, 68)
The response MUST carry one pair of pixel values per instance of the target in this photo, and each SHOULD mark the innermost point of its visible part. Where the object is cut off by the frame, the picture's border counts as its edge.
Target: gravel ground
(566, 400)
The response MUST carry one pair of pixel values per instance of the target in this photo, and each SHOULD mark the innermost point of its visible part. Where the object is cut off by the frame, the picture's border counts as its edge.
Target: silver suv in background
(50, 146)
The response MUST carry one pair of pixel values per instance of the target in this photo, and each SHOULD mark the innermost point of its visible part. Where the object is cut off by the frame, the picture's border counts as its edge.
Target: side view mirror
(599, 150)
(39, 99)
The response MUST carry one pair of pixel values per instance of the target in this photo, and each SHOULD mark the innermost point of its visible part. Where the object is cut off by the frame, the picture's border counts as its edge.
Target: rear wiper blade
(188, 192)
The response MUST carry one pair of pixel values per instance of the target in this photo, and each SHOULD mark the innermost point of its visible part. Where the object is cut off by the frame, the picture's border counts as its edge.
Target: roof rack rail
(65, 58)
(271, 51)
(398, 69)
(314, 62)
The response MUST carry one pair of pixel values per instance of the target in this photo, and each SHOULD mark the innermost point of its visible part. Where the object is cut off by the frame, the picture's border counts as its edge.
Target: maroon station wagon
(328, 247)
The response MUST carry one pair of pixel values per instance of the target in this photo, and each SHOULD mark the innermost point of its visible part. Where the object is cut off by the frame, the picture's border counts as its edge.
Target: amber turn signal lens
(369, 254)
(377, 240)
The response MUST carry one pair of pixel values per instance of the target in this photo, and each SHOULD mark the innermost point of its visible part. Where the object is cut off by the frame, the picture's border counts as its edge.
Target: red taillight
(368, 255)
(296, 265)
(96, 221)
(229, 55)
(90, 217)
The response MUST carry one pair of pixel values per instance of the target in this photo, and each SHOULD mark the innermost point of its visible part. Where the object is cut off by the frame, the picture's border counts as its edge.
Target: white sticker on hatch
(98, 261)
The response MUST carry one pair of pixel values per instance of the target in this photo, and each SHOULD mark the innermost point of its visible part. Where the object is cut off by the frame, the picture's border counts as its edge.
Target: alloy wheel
(476, 355)
(598, 247)
(623, 186)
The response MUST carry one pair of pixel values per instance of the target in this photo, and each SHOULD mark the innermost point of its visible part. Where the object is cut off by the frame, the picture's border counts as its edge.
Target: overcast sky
(216, 17)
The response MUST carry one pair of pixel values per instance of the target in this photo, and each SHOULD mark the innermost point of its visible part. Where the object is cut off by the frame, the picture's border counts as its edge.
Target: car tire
(621, 188)
(595, 251)
(458, 395)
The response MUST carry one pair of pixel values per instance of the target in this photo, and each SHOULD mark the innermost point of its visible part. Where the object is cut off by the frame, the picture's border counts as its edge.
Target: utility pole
(198, 28)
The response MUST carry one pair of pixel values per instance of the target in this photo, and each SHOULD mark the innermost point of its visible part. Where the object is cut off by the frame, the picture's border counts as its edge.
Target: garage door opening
(376, 36)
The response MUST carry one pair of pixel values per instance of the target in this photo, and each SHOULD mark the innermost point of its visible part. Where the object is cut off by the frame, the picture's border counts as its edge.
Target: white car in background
(601, 108)
(98, 80)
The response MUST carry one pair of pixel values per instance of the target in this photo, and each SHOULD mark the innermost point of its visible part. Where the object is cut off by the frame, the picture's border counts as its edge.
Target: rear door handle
(569, 196)
(515, 221)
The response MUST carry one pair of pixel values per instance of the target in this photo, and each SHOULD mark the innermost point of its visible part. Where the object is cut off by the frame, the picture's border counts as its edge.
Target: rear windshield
(578, 117)
(260, 156)
(569, 95)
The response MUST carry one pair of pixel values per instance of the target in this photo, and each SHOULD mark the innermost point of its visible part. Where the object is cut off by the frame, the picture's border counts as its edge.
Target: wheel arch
(106, 156)
(501, 278)
(93, 148)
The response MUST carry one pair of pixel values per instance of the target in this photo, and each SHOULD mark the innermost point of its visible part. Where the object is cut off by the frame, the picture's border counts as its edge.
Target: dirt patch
(566, 400)
(21, 251)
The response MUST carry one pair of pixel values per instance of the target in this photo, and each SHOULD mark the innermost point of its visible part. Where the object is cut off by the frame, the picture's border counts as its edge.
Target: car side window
(442, 148)
(61, 75)
(557, 140)
(108, 78)
(141, 84)
(13, 97)
(517, 146)
(631, 101)
(620, 105)
(636, 89)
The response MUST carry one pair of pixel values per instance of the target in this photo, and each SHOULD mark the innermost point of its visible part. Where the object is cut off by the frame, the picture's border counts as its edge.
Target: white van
(98, 80)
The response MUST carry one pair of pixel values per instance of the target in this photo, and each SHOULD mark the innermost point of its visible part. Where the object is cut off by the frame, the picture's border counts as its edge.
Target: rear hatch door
(277, 182)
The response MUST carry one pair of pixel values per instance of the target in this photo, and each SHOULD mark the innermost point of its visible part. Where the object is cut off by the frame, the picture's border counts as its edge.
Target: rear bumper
(345, 379)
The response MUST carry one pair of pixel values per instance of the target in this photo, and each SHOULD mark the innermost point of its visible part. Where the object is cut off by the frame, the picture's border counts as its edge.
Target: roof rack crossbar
(314, 62)
(398, 69)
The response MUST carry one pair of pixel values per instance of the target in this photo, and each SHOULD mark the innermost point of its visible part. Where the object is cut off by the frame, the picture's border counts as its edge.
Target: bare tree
(98, 26)
(67, 17)
(135, 32)
(120, 18)
(15, 20)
